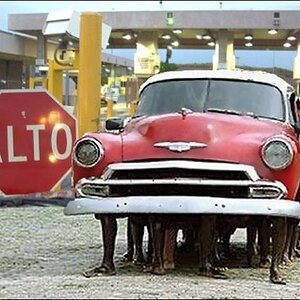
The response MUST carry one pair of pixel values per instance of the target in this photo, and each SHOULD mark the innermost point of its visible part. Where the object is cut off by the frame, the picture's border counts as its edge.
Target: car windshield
(224, 96)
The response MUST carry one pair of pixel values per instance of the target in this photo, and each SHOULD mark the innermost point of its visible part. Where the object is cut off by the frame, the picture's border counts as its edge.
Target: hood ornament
(180, 146)
(185, 111)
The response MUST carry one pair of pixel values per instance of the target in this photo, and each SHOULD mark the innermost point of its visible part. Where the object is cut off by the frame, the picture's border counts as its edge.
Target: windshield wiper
(137, 116)
(270, 118)
(225, 111)
(251, 114)
(238, 113)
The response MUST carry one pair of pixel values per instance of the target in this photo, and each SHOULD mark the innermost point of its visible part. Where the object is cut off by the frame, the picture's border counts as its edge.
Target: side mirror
(297, 127)
(114, 124)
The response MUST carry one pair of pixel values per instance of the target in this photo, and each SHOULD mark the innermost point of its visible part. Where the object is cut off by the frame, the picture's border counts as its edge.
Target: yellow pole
(44, 82)
(133, 105)
(31, 82)
(109, 108)
(55, 85)
(89, 77)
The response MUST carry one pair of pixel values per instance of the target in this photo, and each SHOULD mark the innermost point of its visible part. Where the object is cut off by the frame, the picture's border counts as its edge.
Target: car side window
(298, 109)
(294, 107)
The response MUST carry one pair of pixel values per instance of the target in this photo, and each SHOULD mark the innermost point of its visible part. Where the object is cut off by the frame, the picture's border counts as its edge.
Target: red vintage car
(201, 142)
(219, 141)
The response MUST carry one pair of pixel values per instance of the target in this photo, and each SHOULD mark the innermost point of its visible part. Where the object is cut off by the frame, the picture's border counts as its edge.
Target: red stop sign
(37, 135)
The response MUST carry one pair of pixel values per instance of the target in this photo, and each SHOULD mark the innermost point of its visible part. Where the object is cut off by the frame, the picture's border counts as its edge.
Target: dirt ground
(43, 254)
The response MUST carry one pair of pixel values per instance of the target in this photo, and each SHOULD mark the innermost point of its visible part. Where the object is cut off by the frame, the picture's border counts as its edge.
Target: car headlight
(88, 152)
(277, 153)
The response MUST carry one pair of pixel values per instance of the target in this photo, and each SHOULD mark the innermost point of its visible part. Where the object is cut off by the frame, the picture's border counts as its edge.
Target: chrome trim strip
(184, 164)
(178, 181)
(183, 205)
(180, 146)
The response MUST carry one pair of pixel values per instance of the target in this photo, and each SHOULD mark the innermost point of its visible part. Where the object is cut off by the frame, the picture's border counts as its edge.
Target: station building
(26, 48)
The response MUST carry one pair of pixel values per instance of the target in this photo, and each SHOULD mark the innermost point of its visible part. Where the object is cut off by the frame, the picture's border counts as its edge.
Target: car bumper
(123, 206)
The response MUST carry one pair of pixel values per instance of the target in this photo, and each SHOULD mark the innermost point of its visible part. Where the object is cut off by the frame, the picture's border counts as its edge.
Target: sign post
(37, 135)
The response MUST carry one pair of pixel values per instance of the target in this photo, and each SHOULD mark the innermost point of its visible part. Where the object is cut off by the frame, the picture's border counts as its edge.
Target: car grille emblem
(180, 146)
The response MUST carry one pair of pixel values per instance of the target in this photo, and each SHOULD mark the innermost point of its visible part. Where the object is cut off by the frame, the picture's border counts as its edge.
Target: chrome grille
(179, 190)
(159, 173)
(179, 178)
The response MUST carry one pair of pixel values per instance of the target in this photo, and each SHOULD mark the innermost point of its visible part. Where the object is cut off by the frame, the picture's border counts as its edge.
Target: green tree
(164, 67)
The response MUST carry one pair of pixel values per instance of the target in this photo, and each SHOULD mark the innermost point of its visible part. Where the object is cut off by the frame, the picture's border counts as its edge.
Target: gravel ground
(43, 254)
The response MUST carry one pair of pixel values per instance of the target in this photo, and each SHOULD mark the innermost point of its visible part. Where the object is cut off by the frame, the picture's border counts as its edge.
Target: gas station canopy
(253, 29)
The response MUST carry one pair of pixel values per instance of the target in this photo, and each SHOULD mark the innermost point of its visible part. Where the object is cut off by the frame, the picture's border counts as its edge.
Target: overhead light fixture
(287, 45)
(211, 44)
(291, 38)
(248, 37)
(175, 43)
(178, 31)
(272, 31)
(248, 44)
(166, 36)
(198, 36)
(127, 36)
(206, 36)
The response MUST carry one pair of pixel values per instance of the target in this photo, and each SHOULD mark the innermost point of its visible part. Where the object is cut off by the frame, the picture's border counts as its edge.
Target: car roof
(237, 74)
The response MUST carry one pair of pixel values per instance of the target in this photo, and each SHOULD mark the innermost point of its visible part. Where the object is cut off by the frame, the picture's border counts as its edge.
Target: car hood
(221, 137)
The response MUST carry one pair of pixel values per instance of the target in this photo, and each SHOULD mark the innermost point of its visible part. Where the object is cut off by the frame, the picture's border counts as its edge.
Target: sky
(282, 59)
